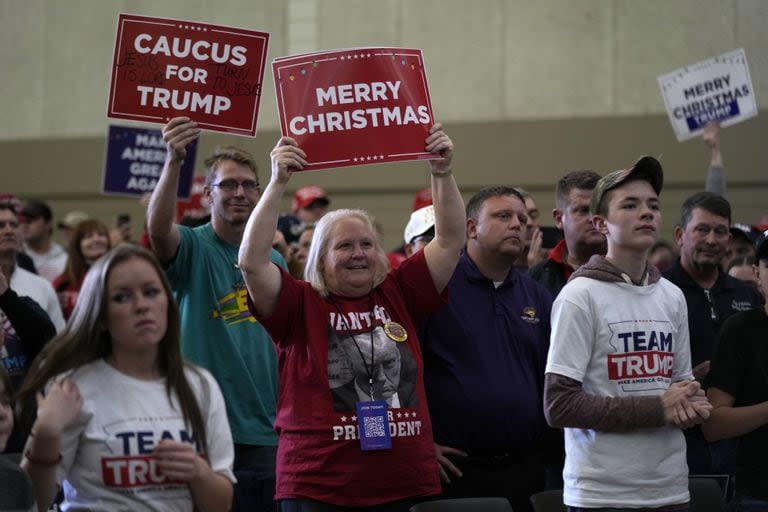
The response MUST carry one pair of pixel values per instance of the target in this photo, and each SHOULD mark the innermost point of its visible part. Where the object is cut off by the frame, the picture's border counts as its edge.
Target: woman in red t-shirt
(352, 417)
(90, 241)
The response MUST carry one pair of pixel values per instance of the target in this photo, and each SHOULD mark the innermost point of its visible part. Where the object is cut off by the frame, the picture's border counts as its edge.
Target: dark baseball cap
(750, 234)
(646, 169)
(762, 248)
(35, 209)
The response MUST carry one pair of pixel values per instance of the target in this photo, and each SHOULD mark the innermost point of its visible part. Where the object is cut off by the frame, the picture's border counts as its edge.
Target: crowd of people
(258, 360)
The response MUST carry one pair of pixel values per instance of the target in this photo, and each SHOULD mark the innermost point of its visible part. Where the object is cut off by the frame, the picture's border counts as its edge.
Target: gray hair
(313, 271)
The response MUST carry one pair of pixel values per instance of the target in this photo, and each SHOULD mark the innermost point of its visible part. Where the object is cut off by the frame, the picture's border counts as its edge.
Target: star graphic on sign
(354, 159)
(343, 419)
(354, 418)
(342, 57)
(381, 157)
(368, 55)
(399, 415)
(369, 159)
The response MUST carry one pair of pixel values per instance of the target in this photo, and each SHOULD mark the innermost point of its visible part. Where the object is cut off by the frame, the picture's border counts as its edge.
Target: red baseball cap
(422, 198)
(307, 195)
(12, 200)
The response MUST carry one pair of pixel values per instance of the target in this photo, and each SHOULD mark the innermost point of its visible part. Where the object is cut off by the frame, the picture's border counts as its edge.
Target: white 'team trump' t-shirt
(622, 340)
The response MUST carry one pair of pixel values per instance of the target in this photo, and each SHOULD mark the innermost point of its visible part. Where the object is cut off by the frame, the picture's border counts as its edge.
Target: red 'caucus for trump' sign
(164, 68)
(355, 106)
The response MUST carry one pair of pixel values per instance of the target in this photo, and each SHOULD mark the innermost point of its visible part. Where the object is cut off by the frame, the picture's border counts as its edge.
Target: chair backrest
(464, 505)
(16, 492)
(548, 501)
(706, 495)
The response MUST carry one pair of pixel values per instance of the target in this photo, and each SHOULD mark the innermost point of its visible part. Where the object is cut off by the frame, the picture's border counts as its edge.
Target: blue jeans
(254, 469)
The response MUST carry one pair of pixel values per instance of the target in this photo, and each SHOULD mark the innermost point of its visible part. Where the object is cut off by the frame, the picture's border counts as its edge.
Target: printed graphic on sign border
(381, 109)
(213, 74)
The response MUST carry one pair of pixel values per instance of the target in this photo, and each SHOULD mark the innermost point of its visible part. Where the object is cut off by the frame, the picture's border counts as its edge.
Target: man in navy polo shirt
(484, 358)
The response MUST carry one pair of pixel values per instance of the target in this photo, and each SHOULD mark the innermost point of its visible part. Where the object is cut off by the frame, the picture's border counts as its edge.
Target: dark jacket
(708, 309)
(552, 273)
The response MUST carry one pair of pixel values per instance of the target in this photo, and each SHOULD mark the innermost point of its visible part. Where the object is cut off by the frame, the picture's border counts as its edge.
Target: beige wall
(527, 89)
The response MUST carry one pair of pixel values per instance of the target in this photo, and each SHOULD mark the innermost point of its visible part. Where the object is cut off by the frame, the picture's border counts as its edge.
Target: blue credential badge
(373, 424)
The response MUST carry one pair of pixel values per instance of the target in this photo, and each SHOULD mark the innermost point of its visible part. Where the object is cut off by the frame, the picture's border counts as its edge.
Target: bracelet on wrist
(41, 462)
(442, 174)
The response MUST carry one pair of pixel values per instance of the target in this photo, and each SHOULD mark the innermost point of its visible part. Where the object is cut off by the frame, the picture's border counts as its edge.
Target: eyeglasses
(233, 185)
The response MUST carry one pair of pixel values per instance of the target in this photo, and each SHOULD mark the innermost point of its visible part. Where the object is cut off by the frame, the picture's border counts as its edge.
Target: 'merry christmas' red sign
(355, 106)
(164, 68)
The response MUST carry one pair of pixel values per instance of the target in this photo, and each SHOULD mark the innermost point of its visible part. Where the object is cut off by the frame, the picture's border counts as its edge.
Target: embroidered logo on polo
(643, 356)
(529, 315)
(741, 305)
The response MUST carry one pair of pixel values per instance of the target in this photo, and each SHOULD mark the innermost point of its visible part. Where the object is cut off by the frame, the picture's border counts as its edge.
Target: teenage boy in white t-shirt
(618, 375)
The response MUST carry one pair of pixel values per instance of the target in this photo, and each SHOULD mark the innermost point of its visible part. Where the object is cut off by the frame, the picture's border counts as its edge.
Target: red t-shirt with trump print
(324, 355)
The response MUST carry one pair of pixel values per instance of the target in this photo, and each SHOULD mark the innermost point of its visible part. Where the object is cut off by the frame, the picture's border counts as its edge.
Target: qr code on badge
(374, 426)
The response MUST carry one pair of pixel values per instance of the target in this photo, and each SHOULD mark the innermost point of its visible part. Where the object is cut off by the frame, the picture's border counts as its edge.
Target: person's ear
(471, 229)
(600, 224)
(207, 194)
(678, 233)
(557, 216)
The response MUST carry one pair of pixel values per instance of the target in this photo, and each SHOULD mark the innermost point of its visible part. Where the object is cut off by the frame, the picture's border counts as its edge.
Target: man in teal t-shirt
(217, 331)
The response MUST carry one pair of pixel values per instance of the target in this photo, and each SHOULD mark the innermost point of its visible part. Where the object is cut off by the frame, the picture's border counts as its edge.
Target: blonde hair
(313, 271)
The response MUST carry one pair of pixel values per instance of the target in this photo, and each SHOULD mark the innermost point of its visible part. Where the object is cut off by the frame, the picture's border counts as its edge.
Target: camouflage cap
(646, 169)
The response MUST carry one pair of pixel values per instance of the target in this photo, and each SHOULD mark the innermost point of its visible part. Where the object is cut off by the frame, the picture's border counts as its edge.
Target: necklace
(348, 332)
